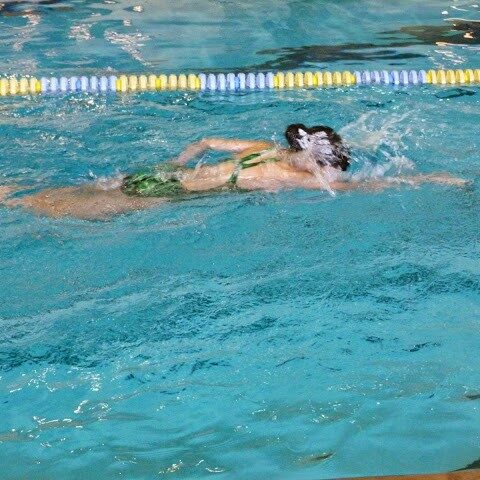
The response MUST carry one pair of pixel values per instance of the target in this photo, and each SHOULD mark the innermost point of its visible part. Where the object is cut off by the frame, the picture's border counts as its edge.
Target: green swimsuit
(165, 181)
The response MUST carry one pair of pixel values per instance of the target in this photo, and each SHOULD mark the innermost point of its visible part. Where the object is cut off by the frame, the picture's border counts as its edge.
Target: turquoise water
(292, 335)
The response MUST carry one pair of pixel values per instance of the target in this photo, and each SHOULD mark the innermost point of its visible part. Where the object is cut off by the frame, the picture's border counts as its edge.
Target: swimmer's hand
(190, 153)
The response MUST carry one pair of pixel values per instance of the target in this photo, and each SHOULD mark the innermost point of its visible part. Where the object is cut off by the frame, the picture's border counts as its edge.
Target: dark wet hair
(334, 152)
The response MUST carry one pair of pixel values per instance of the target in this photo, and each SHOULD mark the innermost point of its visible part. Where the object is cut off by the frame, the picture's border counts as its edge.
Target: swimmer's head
(323, 144)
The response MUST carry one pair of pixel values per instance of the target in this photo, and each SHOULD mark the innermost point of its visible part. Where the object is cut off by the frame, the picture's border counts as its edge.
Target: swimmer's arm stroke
(222, 145)
(413, 180)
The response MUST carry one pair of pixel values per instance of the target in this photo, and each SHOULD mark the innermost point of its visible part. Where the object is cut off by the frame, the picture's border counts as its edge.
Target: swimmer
(316, 159)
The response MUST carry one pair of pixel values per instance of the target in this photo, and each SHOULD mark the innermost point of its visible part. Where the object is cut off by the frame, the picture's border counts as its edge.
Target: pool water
(292, 335)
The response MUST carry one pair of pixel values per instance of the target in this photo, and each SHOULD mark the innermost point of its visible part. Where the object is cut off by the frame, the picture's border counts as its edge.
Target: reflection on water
(12, 8)
(354, 53)
(454, 93)
(457, 32)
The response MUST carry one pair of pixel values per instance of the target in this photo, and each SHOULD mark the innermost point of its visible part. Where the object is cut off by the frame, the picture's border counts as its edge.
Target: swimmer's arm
(413, 180)
(220, 144)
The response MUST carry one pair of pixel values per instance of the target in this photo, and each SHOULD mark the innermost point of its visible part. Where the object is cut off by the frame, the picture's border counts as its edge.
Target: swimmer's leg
(87, 202)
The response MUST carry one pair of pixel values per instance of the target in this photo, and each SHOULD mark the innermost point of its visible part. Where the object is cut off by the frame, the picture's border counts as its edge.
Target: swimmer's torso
(272, 175)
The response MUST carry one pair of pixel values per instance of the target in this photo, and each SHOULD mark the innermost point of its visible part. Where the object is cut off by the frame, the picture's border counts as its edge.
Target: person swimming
(311, 150)
(316, 158)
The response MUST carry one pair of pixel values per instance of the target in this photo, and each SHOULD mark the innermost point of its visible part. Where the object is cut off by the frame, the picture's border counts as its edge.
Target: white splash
(387, 141)
(129, 42)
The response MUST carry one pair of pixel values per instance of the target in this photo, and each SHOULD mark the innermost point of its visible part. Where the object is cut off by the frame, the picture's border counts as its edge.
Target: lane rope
(232, 82)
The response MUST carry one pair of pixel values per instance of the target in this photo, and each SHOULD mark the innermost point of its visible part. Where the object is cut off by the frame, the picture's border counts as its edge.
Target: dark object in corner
(471, 466)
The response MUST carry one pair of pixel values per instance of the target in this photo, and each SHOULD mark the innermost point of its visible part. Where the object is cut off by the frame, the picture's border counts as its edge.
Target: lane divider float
(233, 82)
